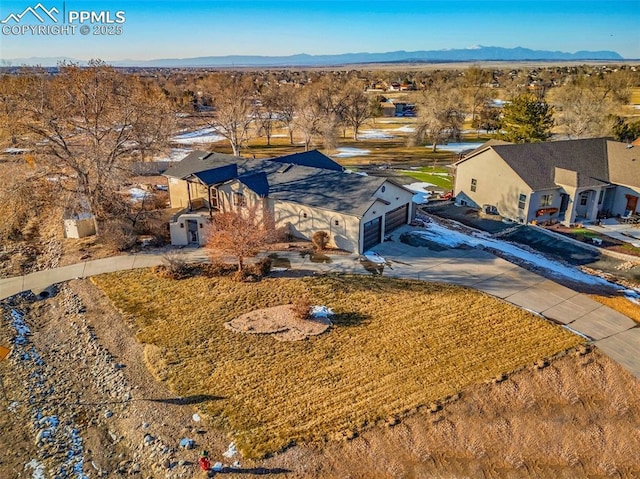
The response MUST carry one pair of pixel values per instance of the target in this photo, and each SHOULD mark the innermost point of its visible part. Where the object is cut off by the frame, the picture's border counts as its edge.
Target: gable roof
(597, 161)
(311, 158)
(326, 188)
(198, 161)
(624, 163)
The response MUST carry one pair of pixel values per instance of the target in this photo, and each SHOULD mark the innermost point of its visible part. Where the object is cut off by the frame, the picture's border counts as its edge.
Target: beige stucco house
(571, 181)
(304, 192)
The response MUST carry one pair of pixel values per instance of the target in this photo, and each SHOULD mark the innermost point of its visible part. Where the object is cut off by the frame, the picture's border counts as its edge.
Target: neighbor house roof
(317, 187)
(598, 161)
(624, 163)
(310, 158)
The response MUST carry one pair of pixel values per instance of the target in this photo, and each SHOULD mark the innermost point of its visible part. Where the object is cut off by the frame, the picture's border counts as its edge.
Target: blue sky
(175, 29)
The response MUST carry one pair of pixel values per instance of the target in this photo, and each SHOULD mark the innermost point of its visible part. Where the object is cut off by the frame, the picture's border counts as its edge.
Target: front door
(632, 204)
(192, 232)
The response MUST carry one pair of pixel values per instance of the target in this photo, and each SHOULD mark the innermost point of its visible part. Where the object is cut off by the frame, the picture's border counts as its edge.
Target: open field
(396, 346)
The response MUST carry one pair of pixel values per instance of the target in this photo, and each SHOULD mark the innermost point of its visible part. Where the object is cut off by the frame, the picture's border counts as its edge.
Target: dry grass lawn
(395, 347)
(620, 304)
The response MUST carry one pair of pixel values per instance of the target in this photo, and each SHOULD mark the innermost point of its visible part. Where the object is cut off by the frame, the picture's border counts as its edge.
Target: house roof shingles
(598, 161)
(329, 189)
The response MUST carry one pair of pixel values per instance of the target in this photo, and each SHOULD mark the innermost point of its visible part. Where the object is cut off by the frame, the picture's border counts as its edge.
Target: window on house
(239, 199)
(474, 184)
(337, 223)
(304, 215)
(601, 197)
(546, 200)
(583, 198)
(522, 200)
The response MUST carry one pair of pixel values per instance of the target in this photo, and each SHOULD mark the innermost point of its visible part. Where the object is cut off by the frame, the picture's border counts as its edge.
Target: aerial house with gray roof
(304, 192)
(570, 181)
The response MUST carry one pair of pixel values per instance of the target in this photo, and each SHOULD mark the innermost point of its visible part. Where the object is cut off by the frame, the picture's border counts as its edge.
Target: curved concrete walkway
(615, 334)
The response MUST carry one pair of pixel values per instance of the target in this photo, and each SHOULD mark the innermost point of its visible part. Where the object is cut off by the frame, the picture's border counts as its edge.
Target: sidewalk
(616, 335)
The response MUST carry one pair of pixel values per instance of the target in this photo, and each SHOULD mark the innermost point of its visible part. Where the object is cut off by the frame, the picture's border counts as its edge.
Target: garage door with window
(396, 218)
(372, 233)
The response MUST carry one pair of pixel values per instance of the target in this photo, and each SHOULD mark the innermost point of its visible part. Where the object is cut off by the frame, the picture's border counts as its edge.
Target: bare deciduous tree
(309, 118)
(239, 234)
(440, 113)
(91, 123)
(356, 109)
(583, 111)
(267, 117)
(476, 90)
(286, 104)
(233, 102)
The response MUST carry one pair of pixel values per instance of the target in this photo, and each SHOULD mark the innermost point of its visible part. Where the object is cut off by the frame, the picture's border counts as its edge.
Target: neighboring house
(571, 181)
(305, 192)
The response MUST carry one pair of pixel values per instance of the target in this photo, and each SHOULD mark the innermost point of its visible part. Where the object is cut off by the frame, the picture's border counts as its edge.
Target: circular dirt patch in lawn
(279, 322)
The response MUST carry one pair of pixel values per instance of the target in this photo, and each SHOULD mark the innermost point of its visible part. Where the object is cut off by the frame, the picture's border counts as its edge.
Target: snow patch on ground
(231, 451)
(197, 137)
(457, 147)
(348, 152)
(632, 295)
(37, 468)
(446, 237)
(138, 194)
(374, 135)
(320, 312)
(421, 196)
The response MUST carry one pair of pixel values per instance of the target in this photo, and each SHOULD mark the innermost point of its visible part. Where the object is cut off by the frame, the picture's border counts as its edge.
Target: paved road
(615, 334)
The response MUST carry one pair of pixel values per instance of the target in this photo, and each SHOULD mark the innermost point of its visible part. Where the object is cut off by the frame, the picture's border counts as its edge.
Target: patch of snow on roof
(406, 129)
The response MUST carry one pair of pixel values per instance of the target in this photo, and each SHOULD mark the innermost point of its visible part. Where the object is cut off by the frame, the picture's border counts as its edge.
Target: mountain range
(479, 53)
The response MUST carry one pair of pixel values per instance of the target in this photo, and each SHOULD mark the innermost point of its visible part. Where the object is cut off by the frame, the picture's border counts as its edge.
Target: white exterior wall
(343, 235)
(497, 184)
(180, 233)
(79, 228)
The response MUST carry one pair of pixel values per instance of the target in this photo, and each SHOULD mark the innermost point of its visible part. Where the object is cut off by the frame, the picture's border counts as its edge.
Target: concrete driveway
(616, 335)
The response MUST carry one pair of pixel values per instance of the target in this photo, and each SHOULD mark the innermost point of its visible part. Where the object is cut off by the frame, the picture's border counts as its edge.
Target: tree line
(89, 125)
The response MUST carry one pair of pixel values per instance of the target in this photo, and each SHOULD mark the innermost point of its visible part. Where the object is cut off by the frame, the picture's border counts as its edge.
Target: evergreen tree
(526, 120)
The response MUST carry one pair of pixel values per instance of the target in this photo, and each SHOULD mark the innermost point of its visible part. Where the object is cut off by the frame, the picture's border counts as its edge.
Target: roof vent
(284, 168)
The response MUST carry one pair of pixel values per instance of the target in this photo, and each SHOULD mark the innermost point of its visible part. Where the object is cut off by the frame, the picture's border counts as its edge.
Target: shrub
(261, 269)
(302, 307)
(320, 240)
(174, 266)
(118, 235)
